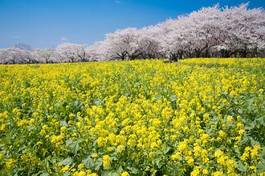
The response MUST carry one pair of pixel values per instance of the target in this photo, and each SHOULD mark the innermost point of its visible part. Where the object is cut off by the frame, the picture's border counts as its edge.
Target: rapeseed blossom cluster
(196, 117)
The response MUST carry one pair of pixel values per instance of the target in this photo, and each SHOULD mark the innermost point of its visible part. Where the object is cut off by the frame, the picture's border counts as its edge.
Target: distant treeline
(209, 32)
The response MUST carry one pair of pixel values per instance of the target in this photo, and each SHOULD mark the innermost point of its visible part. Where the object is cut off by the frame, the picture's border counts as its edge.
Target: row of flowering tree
(66, 52)
(209, 32)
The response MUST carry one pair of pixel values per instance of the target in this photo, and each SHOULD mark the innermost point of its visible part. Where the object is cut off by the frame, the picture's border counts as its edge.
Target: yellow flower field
(194, 117)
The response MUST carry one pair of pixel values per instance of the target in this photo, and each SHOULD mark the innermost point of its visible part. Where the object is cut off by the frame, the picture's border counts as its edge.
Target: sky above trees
(46, 23)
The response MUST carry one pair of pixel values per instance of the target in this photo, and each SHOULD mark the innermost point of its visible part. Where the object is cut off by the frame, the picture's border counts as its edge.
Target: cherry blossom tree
(98, 51)
(16, 56)
(122, 44)
(245, 29)
(192, 35)
(148, 42)
(70, 52)
(208, 32)
(236, 31)
(45, 55)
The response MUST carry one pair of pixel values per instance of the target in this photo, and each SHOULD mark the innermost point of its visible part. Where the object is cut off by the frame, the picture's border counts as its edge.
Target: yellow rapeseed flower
(106, 162)
(125, 173)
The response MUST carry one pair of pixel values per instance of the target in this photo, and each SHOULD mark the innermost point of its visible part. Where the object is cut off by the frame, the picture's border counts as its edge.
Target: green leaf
(133, 170)
(44, 174)
(73, 145)
(89, 163)
(158, 162)
(167, 150)
(66, 162)
(98, 164)
(261, 167)
(241, 167)
(66, 174)
(110, 173)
